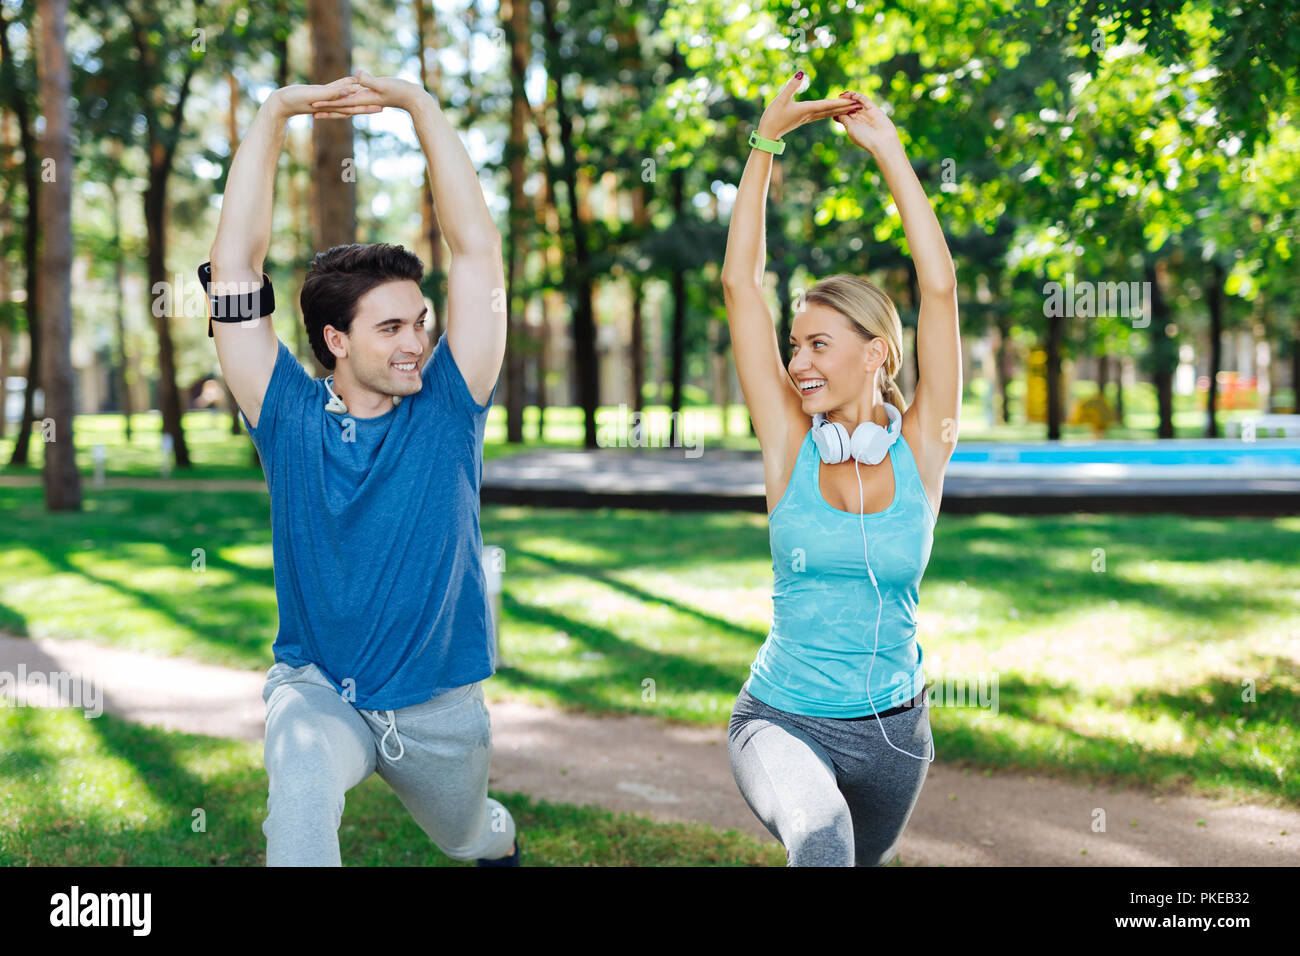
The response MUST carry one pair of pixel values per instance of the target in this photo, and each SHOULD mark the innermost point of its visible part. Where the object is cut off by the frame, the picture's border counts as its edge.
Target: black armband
(236, 308)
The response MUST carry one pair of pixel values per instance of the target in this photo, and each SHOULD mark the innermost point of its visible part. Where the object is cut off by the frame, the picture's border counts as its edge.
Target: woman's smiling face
(830, 363)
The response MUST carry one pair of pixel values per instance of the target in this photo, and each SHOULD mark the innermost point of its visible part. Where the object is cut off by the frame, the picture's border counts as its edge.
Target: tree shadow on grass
(961, 735)
(63, 835)
(1042, 566)
(638, 538)
(13, 622)
(1027, 574)
(376, 829)
(642, 595)
(682, 673)
(249, 643)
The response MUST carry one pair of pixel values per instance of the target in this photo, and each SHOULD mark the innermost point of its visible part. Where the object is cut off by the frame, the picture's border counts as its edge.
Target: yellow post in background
(1036, 386)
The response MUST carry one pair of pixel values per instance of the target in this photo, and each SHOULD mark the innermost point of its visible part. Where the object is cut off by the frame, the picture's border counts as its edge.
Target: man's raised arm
(476, 307)
(247, 351)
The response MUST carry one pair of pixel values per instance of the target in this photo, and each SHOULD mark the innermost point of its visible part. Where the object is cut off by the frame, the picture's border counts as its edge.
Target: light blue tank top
(817, 654)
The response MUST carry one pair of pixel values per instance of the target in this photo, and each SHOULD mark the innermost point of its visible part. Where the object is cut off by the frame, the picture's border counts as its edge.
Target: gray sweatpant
(832, 790)
(434, 756)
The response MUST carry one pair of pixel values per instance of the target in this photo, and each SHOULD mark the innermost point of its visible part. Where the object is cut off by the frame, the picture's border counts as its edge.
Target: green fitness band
(774, 146)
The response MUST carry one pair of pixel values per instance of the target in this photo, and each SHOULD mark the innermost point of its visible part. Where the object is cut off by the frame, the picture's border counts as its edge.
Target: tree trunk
(784, 309)
(333, 169)
(1055, 331)
(1164, 353)
(1214, 301)
(6, 282)
(718, 371)
(1295, 366)
(543, 365)
(6, 353)
(62, 481)
(119, 282)
(677, 178)
(727, 361)
(301, 215)
(580, 282)
(155, 215)
(553, 261)
(160, 151)
(1165, 400)
(6, 332)
(641, 219)
(638, 341)
(514, 18)
(1119, 392)
(624, 29)
(31, 163)
(427, 37)
(1004, 365)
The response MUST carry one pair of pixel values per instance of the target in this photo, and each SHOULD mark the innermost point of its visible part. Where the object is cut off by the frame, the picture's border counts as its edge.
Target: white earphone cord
(862, 522)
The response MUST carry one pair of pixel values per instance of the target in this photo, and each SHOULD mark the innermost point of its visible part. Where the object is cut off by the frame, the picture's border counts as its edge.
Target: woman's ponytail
(893, 394)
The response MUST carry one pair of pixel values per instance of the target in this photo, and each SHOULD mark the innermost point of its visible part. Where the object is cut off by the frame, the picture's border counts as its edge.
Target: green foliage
(1088, 137)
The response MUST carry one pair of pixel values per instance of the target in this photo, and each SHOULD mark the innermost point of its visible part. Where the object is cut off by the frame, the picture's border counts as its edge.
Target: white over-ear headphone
(868, 445)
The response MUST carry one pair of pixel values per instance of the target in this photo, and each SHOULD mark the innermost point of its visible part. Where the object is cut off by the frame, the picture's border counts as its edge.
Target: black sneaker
(511, 860)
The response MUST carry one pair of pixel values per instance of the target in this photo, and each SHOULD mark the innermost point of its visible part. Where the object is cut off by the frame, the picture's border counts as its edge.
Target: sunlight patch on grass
(80, 781)
(258, 557)
(570, 550)
(744, 603)
(1104, 650)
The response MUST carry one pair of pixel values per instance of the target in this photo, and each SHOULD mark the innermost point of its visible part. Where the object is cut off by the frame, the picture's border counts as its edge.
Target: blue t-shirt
(375, 535)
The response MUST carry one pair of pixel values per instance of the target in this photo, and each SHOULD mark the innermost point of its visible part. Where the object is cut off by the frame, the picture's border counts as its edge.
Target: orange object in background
(1235, 391)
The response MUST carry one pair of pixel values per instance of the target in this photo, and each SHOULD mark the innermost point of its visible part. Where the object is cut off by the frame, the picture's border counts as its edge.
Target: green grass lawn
(1135, 673)
(217, 454)
(105, 792)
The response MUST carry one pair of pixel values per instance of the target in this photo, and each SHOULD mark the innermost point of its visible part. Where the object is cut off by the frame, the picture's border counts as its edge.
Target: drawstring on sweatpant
(391, 723)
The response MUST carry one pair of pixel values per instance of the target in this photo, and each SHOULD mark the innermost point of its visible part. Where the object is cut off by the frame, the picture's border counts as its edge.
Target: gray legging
(830, 789)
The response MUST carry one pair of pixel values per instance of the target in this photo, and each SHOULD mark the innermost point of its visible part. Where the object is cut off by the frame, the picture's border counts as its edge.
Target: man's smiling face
(388, 345)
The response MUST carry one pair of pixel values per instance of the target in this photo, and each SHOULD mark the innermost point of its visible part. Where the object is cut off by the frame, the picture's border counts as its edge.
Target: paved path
(680, 773)
(688, 478)
(715, 478)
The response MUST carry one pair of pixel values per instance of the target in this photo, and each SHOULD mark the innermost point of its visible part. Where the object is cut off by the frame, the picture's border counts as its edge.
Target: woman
(829, 739)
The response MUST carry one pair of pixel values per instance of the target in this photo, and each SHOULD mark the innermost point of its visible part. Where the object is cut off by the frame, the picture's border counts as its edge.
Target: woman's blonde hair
(872, 315)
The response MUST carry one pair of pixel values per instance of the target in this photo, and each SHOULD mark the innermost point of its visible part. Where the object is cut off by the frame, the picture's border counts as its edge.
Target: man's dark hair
(338, 278)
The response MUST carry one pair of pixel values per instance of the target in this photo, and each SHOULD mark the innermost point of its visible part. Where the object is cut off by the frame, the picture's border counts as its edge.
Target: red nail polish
(799, 75)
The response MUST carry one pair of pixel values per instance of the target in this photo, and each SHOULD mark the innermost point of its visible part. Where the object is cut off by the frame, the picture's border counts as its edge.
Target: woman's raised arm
(772, 401)
(937, 402)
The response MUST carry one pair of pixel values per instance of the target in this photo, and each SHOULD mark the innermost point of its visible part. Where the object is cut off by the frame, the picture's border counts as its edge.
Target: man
(385, 627)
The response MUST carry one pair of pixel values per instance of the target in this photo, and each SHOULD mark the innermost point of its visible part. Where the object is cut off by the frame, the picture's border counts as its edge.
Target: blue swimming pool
(1226, 458)
(1230, 451)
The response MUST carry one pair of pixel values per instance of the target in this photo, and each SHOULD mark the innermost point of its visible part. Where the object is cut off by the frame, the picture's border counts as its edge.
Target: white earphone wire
(862, 522)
